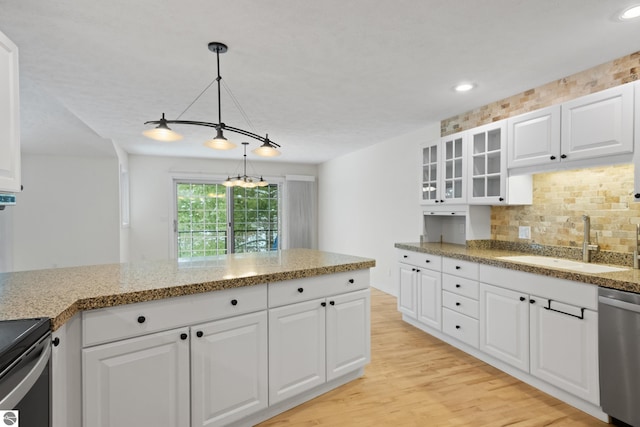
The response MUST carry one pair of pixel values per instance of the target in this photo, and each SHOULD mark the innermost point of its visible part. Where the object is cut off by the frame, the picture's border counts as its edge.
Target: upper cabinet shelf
(9, 117)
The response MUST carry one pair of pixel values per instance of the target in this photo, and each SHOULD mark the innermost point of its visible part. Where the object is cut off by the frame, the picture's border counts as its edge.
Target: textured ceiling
(322, 78)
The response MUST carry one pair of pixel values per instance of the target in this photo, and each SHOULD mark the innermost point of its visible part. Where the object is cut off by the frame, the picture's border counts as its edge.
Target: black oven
(25, 373)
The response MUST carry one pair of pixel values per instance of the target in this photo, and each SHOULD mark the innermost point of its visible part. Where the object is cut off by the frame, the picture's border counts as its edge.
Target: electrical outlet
(524, 232)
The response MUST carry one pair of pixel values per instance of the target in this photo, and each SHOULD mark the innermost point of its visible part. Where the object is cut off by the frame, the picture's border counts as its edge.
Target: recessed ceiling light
(464, 87)
(630, 13)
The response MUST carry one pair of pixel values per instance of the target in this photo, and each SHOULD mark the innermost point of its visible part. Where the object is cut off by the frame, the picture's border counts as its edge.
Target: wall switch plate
(524, 232)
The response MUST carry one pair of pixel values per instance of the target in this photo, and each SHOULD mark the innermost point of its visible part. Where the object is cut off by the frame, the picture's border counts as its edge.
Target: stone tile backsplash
(561, 198)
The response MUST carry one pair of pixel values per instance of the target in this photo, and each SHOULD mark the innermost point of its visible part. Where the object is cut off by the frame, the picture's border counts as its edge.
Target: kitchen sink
(566, 264)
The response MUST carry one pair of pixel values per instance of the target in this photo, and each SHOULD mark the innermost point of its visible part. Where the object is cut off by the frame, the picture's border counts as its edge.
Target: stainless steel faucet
(587, 247)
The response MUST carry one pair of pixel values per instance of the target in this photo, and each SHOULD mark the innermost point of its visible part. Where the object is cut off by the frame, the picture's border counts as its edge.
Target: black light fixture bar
(164, 133)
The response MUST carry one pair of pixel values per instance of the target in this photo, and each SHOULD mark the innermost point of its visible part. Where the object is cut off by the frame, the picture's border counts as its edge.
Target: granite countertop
(62, 292)
(628, 280)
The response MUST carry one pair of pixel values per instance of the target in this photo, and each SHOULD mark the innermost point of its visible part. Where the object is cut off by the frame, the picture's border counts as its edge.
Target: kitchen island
(230, 340)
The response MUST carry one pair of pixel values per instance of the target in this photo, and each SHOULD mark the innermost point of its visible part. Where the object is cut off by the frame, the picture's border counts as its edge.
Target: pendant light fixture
(162, 132)
(245, 180)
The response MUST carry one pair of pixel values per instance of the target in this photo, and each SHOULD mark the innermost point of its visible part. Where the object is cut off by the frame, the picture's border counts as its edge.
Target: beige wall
(561, 198)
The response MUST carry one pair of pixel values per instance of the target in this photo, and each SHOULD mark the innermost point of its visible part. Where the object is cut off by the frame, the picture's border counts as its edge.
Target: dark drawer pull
(332, 302)
(141, 319)
(351, 281)
(457, 285)
(324, 304)
(428, 261)
(183, 336)
(458, 327)
(199, 334)
(234, 302)
(300, 290)
(548, 307)
(56, 342)
(522, 298)
(458, 267)
(405, 256)
(457, 304)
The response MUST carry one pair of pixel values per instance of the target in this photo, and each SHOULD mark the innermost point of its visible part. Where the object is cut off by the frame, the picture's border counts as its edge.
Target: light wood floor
(417, 380)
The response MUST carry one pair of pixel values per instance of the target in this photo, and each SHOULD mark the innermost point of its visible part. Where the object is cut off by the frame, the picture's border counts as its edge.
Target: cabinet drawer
(461, 286)
(461, 327)
(460, 268)
(463, 305)
(293, 291)
(125, 321)
(432, 262)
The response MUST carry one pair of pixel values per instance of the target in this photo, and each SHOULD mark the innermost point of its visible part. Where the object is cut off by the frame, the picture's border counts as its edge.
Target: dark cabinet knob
(199, 334)
(234, 302)
(553, 157)
(56, 342)
(637, 195)
(458, 327)
(532, 301)
(351, 281)
(501, 199)
(332, 302)
(417, 270)
(437, 201)
(457, 304)
(324, 304)
(141, 319)
(458, 267)
(428, 261)
(522, 298)
(563, 156)
(457, 285)
(441, 201)
(300, 290)
(413, 269)
(453, 213)
(183, 336)
(405, 256)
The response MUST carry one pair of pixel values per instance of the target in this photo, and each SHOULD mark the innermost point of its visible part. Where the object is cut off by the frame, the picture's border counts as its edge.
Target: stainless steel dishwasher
(619, 351)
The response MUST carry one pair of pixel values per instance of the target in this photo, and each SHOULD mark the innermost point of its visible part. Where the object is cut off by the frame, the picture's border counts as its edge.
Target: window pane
(255, 218)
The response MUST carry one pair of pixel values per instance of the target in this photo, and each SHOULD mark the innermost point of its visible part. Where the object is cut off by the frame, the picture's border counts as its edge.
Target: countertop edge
(103, 301)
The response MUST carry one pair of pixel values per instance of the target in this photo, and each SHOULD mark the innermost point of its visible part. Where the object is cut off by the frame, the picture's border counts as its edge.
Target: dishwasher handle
(619, 304)
(36, 367)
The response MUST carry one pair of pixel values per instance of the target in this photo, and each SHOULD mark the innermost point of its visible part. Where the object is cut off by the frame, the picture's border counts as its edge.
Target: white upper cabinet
(599, 124)
(534, 138)
(488, 165)
(9, 117)
(594, 126)
(444, 170)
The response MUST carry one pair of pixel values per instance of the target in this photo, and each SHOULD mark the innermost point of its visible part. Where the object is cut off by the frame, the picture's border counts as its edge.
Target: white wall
(151, 200)
(67, 214)
(369, 200)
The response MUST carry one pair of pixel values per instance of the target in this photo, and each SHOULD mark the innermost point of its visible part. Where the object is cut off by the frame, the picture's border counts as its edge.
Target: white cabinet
(460, 300)
(599, 124)
(141, 381)
(488, 164)
(504, 325)
(296, 349)
(552, 339)
(590, 127)
(534, 138)
(420, 293)
(564, 347)
(228, 369)
(444, 170)
(315, 341)
(9, 117)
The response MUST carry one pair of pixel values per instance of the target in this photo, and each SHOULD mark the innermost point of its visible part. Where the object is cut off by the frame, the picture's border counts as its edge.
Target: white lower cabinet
(420, 288)
(228, 369)
(315, 341)
(504, 325)
(141, 381)
(564, 347)
(553, 341)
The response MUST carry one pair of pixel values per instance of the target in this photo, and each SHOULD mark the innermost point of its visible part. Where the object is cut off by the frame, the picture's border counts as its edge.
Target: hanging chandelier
(162, 132)
(245, 181)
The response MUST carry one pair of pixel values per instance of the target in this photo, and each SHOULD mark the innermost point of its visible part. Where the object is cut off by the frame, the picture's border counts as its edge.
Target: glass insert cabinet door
(488, 164)
(453, 164)
(430, 161)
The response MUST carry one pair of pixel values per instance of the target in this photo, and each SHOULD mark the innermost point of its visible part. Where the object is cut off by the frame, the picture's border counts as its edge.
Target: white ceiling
(322, 78)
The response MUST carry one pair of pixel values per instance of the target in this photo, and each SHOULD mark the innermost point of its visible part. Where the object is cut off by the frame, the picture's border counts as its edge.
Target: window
(214, 220)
